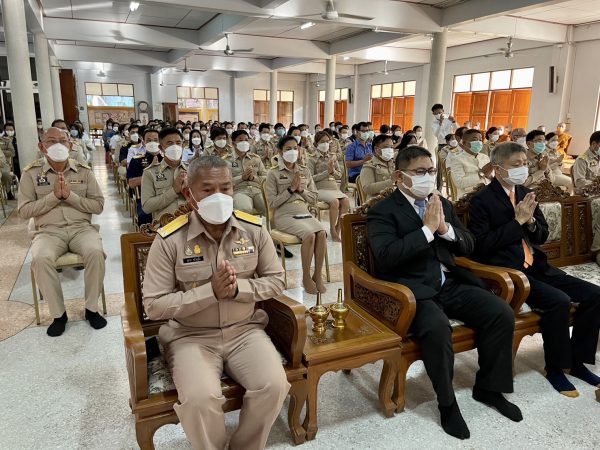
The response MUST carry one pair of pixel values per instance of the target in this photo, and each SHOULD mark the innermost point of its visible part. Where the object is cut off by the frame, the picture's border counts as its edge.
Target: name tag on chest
(42, 181)
(75, 181)
(193, 259)
(161, 176)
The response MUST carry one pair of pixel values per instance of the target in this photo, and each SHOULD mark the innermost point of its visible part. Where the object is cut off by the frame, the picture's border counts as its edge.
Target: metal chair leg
(327, 266)
(103, 300)
(282, 249)
(35, 299)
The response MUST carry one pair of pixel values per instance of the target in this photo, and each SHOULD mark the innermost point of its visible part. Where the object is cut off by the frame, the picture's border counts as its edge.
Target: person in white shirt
(470, 167)
(443, 125)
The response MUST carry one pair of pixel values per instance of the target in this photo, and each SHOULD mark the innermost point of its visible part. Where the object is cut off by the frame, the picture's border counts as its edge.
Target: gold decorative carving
(462, 204)
(547, 192)
(568, 225)
(361, 247)
(383, 194)
(378, 304)
(593, 190)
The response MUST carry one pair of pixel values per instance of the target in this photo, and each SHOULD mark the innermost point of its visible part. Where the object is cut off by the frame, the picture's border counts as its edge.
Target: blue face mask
(539, 147)
(476, 146)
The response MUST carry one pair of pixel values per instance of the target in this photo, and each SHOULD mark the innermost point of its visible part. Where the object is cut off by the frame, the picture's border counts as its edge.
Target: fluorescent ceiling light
(306, 25)
(133, 6)
(346, 58)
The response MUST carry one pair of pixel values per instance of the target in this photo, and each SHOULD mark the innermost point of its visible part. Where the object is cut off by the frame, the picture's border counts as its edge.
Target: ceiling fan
(331, 13)
(187, 70)
(384, 71)
(232, 51)
(507, 51)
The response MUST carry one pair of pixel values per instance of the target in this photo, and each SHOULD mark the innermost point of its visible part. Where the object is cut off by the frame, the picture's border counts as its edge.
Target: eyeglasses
(422, 172)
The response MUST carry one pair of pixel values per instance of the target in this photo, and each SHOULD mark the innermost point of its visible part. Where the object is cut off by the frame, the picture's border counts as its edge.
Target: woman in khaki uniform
(376, 174)
(221, 146)
(325, 170)
(290, 189)
(556, 162)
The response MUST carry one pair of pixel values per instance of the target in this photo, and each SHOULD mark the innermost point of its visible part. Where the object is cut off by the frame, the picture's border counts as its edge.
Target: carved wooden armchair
(394, 304)
(152, 391)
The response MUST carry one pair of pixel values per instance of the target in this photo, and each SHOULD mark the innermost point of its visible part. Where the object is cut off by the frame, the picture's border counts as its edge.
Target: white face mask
(58, 152)
(290, 156)
(229, 131)
(323, 147)
(387, 153)
(344, 135)
(215, 209)
(421, 186)
(10, 133)
(297, 139)
(115, 128)
(438, 116)
(304, 133)
(517, 176)
(197, 127)
(174, 152)
(365, 135)
(203, 132)
(521, 141)
(494, 138)
(419, 134)
(397, 133)
(265, 136)
(453, 143)
(196, 141)
(152, 148)
(243, 146)
(220, 143)
(134, 137)
(186, 136)
(553, 144)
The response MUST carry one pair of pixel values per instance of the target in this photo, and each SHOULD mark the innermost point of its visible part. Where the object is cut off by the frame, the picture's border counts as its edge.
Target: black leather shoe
(58, 326)
(96, 320)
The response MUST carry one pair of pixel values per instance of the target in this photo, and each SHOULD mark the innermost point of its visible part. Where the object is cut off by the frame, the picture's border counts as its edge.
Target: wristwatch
(290, 191)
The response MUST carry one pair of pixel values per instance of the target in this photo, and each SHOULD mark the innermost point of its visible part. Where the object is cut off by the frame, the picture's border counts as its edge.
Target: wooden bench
(152, 406)
(394, 304)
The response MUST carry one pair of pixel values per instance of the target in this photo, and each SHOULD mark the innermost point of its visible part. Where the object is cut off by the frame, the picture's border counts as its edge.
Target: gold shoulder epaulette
(245, 217)
(151, 166)
(83, 165)
(583, 156)
(36, 163)
(173, 226)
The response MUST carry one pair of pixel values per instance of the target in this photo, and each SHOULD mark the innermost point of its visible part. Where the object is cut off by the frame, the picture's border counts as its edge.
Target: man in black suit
(509, 228)
(414, 236)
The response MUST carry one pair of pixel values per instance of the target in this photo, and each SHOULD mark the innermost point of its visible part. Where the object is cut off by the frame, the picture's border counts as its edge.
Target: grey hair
(204, 162)
(504, 151)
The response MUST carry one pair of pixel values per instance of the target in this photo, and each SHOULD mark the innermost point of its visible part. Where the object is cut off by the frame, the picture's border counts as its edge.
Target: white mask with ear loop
(215, 209)
(422, 186)
(517, 176)
(58, 152)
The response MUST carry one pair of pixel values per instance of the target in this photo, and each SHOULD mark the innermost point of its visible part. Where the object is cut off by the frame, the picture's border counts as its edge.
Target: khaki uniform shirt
(158, 195)
(585, 169)
(318, 164)
(280, 178)
(37, 199)
(222, 152)
(466, 171)
(77, 151)
(376, 175)
(266, 150)
(4, 165)
(6, 144)
(238, 167)
(536, 174)
(179, 267)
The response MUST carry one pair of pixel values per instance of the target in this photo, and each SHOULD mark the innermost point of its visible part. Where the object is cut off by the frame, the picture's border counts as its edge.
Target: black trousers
(488, 314)
(551, 296)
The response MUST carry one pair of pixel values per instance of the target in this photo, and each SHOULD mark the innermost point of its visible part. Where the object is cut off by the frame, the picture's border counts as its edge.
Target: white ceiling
(572, 12)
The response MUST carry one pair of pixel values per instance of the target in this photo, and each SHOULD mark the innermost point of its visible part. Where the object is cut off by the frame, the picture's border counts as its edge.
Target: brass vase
(339, 311)
(319, 314)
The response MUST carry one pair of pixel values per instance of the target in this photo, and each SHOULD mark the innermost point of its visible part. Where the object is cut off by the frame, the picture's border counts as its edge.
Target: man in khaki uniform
(248, 173)
(162, 183)
(376, 174)
(538, 160)
(264, 147)
(205, 272)
(61, 195)
(6, 156)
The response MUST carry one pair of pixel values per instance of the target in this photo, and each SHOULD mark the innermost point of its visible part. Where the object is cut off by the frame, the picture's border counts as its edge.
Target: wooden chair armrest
(391, 303)
(495, 277)
(287, 327)
(135, 350)
(522, 288)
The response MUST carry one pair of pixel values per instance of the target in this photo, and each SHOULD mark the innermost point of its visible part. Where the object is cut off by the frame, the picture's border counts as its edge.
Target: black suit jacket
(499, 235)
(402, 253)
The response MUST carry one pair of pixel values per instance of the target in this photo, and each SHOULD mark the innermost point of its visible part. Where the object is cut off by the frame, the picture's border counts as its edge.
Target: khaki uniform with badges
(559, 178)
(536, 174)
(291, 213)
(466, 172)
(325, 182)
(376, 175)
(585, 169)
(78, 151)
(206, 336)
(221, 152)
(6, 156)
(266, 150)
(63, 226)
(158, 195)
(247, 194)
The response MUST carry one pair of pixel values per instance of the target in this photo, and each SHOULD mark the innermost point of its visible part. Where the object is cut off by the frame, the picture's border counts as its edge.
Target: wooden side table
(364, 340)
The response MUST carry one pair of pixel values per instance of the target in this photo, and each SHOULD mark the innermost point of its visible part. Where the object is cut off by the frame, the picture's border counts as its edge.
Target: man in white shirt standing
(443, 125)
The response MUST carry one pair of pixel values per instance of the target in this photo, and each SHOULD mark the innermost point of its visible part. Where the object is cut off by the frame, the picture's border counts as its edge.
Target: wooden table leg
(310, 421)
(400, 386)
(389, 375)
(297, 394)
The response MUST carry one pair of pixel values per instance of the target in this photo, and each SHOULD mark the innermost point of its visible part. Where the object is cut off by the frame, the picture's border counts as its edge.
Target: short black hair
(380, 138)
(471, 131)
(55, 121)
(406, 155)
(437, 106)
(9, 124)
(550, 135)
(448, 137)
(238, 133)
(406, 139)
(149, 130)
(533, 134)
(168, 131)
(384, 129)
(217, 131)
(360, 125)
(595, 137)
(490, 131)
(291, 130)
(264, 126)
(284, 140)
(459, 132)
(417, 126)
(278, 125)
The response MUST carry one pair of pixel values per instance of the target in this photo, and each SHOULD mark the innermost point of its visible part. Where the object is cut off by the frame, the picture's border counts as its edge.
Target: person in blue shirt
(358, 152)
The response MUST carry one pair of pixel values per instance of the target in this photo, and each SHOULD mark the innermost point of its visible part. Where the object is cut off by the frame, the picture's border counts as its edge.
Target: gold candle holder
(339, 311)
(319, 314)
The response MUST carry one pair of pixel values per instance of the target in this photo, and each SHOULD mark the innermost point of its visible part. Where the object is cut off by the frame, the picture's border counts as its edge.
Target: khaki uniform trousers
(250, 200)
(51, 243)
(248, 356)
(6, 179)
(560, 179)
